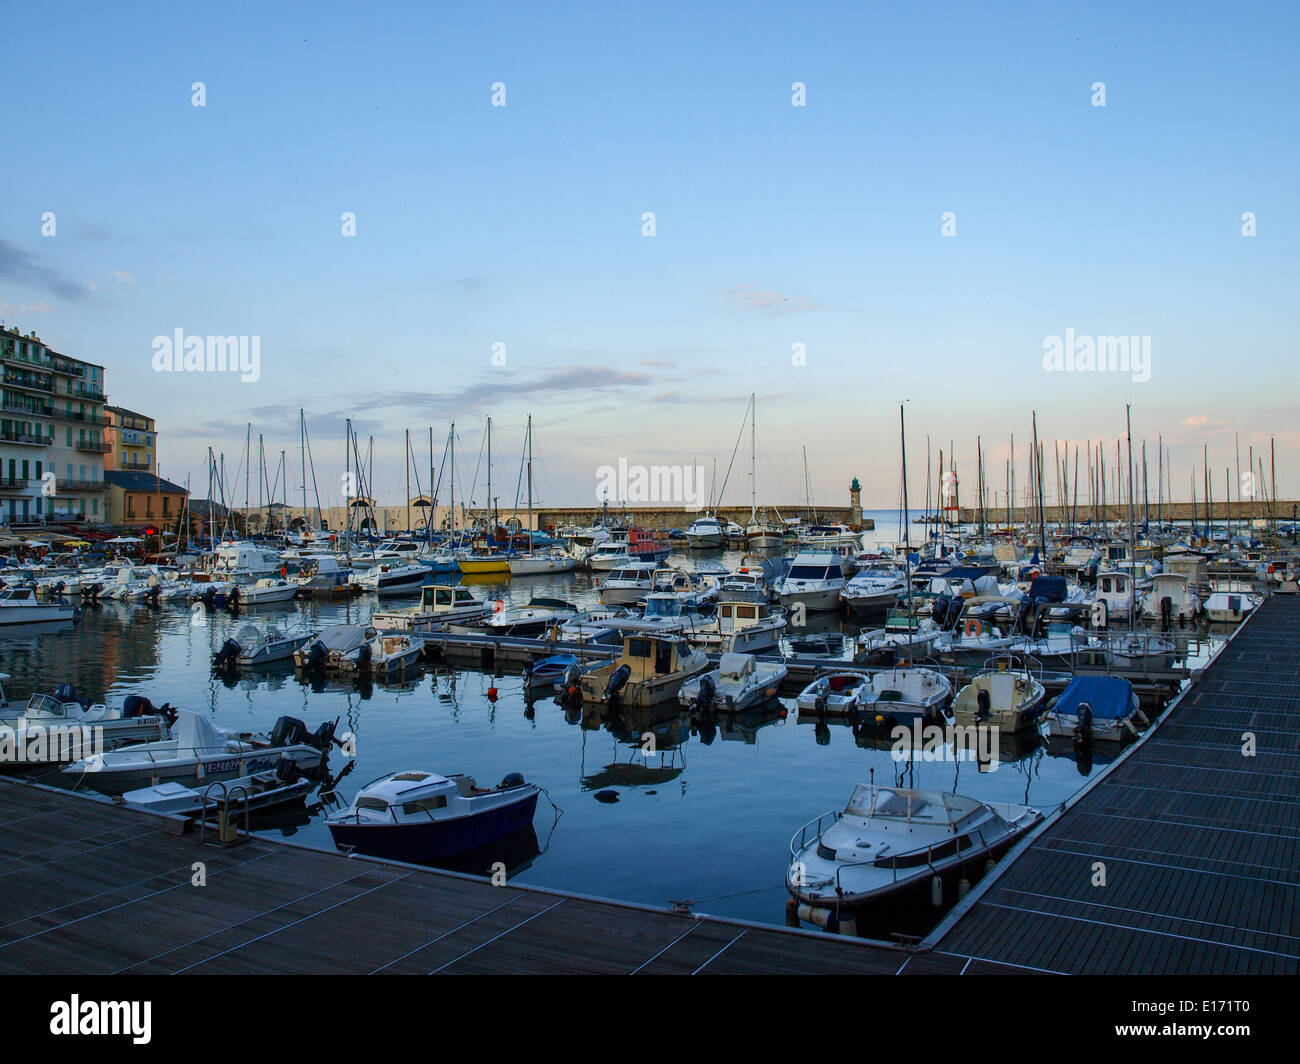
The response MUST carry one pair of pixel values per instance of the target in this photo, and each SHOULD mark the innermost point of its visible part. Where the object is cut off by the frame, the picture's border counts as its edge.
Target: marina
(655, 489)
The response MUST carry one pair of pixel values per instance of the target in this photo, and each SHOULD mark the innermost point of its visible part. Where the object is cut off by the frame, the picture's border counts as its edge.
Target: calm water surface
(708, 817)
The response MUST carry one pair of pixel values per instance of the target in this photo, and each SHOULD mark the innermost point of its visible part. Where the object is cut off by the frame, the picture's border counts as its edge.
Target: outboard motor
(227, 655)
(572, 686)
(983, 706)
(1166, 613)
(364, 655)
(289, 731)
(939, 610)
(708, 692)
(1083, 730)
(513, 779)
(286, 771)
(316, 655)
(955, 608)
(137, 706)
(617, 682)
(322, 736)
(232, 601)
(65, 692)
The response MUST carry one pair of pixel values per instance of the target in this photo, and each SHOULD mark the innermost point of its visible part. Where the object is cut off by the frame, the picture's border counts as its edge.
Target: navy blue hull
(435, 840)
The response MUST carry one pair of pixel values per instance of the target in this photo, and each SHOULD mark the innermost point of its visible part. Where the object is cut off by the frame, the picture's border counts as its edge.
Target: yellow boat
(483, 564)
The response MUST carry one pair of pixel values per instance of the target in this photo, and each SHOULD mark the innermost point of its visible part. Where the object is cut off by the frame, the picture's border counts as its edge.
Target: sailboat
(536, 563)
(759, 535)
(487, 563)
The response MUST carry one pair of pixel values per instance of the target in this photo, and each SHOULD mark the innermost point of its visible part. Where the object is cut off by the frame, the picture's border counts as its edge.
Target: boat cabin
(439, 598)
(655, 655)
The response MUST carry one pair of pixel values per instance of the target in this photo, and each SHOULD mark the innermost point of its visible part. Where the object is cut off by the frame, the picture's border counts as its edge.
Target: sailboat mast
(530, 483)
(753, 485)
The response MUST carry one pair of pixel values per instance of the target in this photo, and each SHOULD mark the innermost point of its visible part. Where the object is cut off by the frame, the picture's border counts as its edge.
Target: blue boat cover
(1111, 697)
(1048, 588)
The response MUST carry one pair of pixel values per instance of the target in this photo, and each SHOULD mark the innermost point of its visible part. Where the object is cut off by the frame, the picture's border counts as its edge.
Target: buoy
(492, 694)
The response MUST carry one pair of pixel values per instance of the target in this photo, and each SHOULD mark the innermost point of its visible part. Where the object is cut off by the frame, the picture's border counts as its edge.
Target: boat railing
(816, 825)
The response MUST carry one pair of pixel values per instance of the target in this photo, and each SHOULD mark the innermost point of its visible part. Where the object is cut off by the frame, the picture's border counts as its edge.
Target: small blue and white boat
(421, 816)
(547, 672)
(1097, 707)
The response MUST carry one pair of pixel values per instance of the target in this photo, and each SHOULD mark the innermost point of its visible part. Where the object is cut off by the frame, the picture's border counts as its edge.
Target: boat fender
(963, 888)
(936, 891)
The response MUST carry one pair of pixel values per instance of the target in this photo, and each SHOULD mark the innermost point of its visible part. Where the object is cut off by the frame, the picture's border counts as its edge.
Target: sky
(947, 196)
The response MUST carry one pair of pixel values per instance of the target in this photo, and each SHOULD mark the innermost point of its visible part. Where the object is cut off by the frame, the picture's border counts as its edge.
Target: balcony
(26, 437)
(18, 485)
(134, 467)
(90, 395)
(68, 484)
(27, 407)
(94, 446)
(11, 356)
(35, 381)
(67, 367)
(85, 419)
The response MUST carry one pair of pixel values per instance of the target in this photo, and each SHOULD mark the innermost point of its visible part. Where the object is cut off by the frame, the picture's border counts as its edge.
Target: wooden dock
(92, 888)
(1199, 844)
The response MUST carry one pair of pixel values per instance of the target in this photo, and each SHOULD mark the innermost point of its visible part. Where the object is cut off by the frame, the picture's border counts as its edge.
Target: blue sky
(775, 225)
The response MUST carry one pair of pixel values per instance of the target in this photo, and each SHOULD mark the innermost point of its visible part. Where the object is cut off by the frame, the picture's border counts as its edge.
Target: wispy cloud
(744, 297)
(18, 267)
(1201, 421)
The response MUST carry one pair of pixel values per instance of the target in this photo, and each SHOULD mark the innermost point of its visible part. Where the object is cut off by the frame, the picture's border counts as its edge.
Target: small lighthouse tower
(855, 503)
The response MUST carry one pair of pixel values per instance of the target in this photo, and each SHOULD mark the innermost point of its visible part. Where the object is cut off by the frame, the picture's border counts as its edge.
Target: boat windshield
(663, 607)
(868, 801)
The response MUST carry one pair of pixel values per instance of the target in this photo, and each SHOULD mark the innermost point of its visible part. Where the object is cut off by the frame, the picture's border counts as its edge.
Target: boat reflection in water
(648, 744)
(743, 727)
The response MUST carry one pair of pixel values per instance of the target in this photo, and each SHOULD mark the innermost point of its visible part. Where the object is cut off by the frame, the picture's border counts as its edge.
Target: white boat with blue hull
(738, 683)
(893, 854)
(199, 751)
(253, 646)
(421, 816)
(19, 606)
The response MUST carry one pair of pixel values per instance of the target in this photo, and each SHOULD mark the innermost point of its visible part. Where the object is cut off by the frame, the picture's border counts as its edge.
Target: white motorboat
(814, 581)
(611, 555)
(873, 589)
(705, 533)
(628, 584)
(267, 590)
(904, 693)
(395, 578)
(1117, 591)
(259, 792)
(1231, 601)
(583, 542)
(1171, 593)
(536, 617)
(388, 654)
(323, 575)
(1008, 700)
(422, 816)
(833, 695)
(741, 627)
(649, 672)
(336, 647)
(252, 646)
(1140, 650)
(739, 682)
(200, 751)
(19, 606)
(240, 561)
(60, 727)
(439, 604)
(868, 868)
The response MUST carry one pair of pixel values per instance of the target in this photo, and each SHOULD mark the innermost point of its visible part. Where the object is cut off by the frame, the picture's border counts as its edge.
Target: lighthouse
(855, 504)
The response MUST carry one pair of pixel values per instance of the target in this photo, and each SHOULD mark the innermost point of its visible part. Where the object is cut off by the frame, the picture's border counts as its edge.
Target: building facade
(136, 499)
(132, 441)
(52, 433)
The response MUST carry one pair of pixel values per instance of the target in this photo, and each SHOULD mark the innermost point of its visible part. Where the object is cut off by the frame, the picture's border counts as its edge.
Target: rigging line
(717, 502)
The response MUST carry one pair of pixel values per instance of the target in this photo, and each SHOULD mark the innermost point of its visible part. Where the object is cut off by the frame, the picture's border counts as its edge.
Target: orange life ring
(973, 627)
